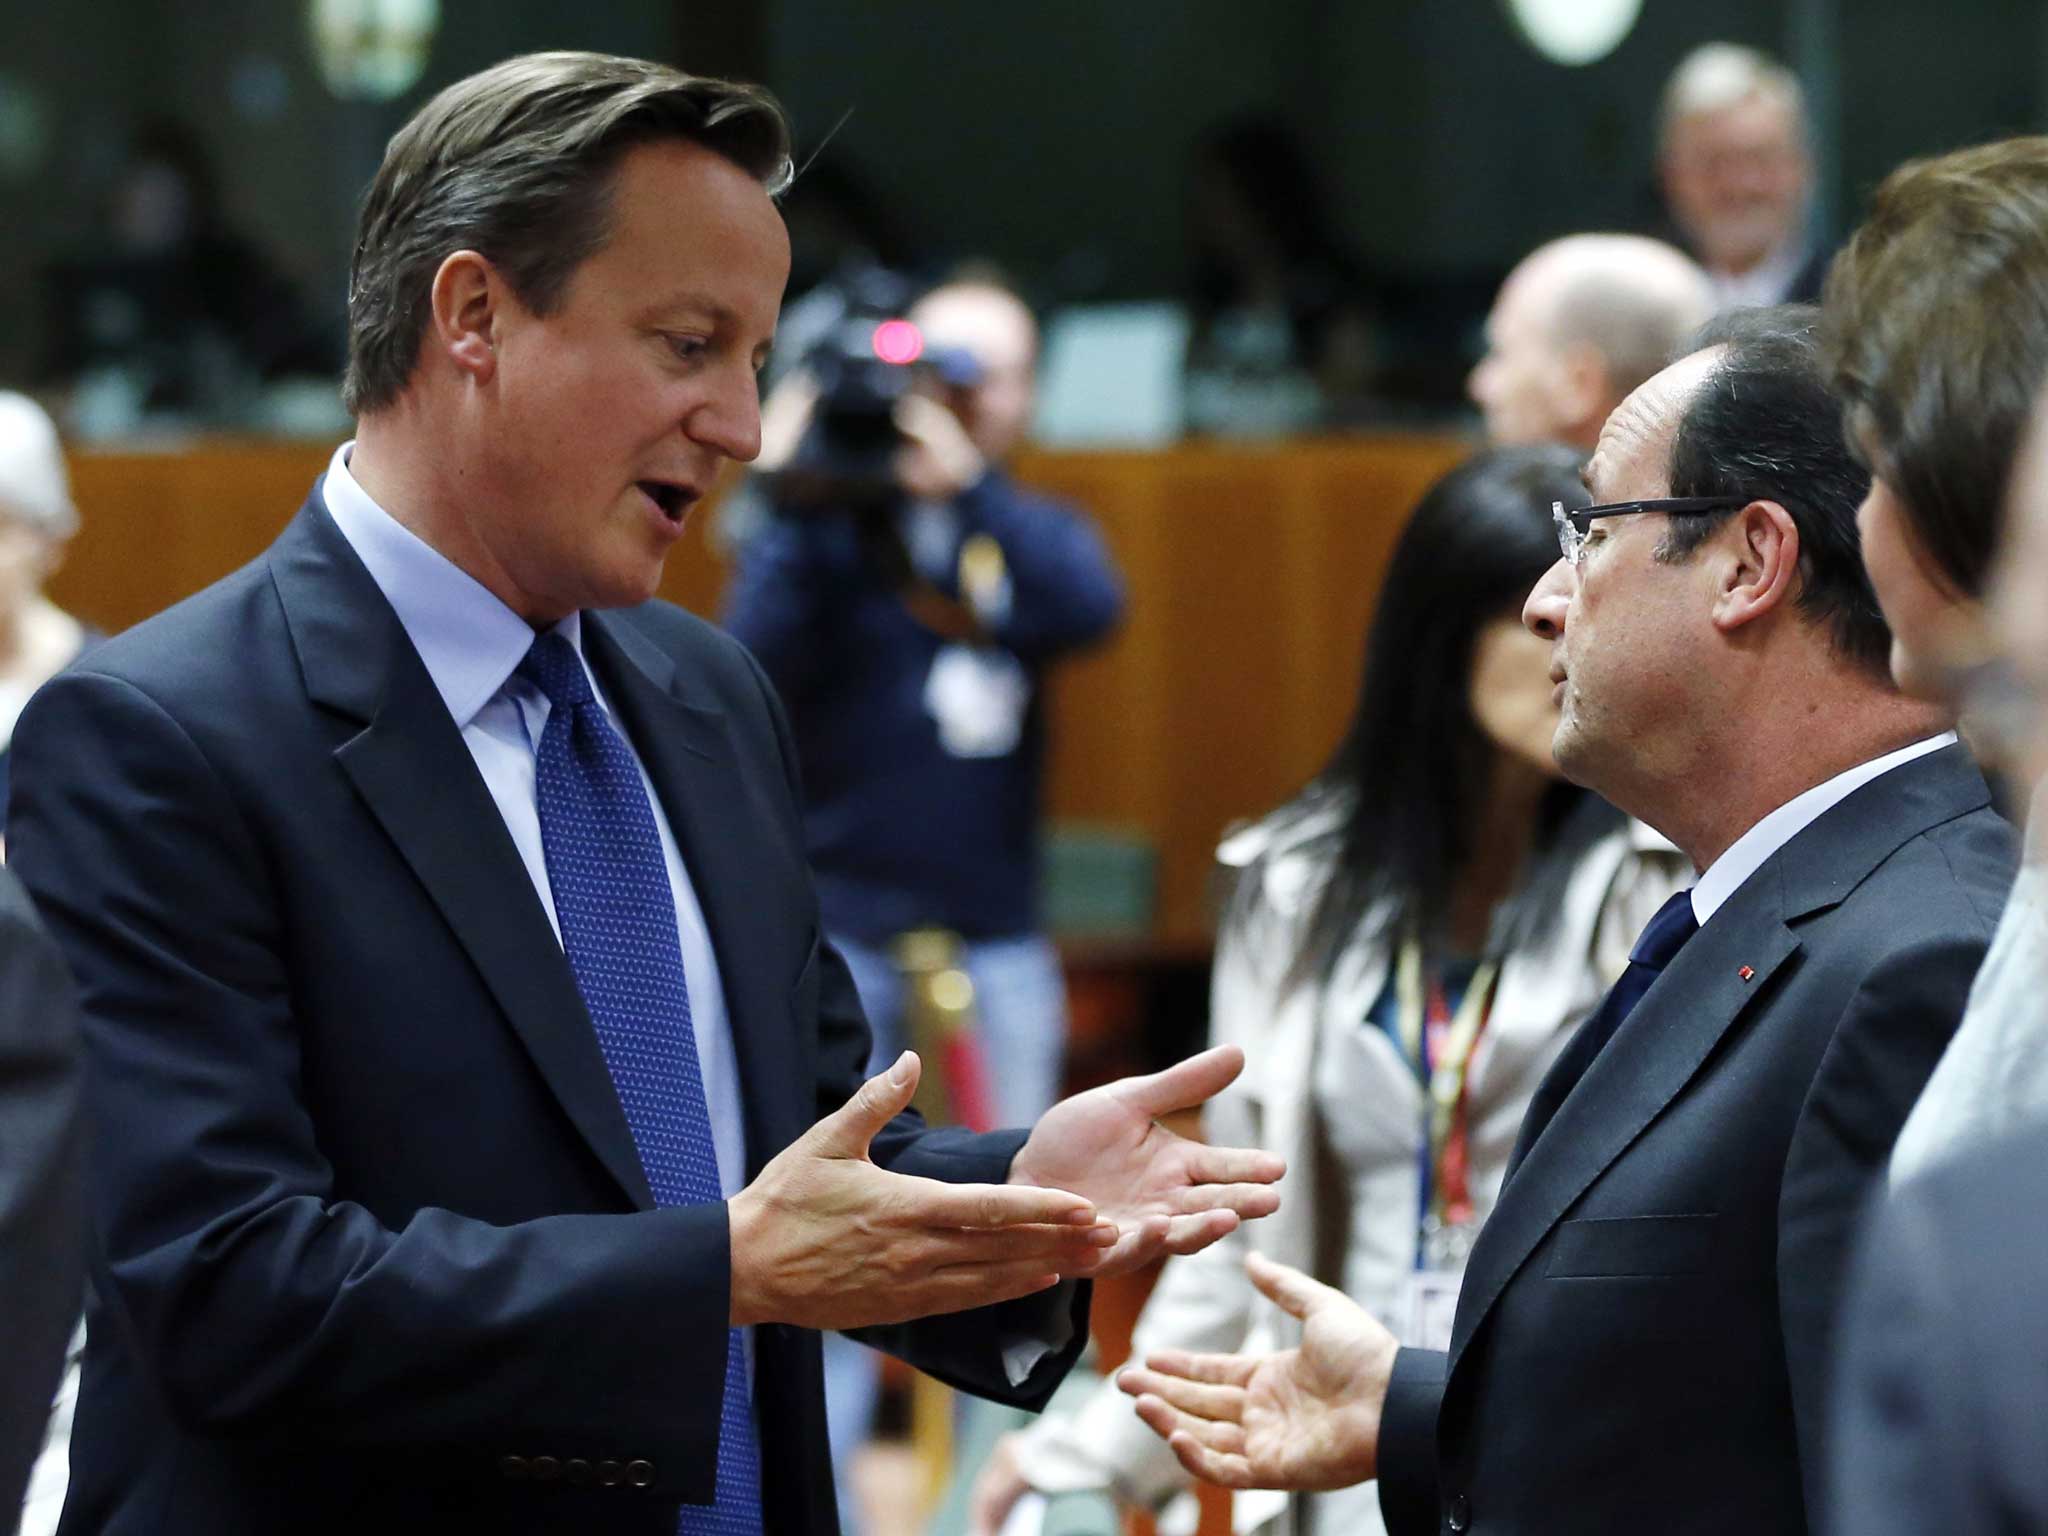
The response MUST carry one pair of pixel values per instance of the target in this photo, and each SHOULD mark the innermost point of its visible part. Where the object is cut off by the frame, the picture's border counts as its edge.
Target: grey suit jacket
(1643, 1335)
(1941, 1400)
(42, 1199)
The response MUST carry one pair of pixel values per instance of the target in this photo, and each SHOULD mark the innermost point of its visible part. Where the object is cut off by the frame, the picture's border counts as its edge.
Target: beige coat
(1204, 1302)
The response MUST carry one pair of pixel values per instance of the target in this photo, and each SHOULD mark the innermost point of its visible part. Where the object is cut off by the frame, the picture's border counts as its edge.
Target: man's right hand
(825, 1239)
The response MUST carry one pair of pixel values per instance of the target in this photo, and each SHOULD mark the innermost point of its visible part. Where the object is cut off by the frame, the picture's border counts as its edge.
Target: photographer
(905, 597)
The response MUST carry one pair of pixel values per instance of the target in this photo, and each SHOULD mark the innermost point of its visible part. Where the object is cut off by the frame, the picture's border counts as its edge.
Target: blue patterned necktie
(1661, 939)
(618, 918)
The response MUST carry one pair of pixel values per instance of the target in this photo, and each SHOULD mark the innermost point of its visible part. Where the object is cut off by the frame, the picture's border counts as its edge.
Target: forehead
(688, 221)
(1633, 458)
(1762, 118)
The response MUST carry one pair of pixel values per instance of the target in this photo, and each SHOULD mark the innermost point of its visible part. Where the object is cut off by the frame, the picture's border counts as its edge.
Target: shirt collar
(1765, 283)
(466, 636)
(1747, 853)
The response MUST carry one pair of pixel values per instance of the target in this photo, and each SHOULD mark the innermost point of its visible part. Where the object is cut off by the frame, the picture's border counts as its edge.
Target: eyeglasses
(1574, 524)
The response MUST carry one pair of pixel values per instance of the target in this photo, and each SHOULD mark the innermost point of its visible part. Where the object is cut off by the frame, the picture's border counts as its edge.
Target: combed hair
(516, 164)
(1764, 426)
(1390, 817)
(1935, 334)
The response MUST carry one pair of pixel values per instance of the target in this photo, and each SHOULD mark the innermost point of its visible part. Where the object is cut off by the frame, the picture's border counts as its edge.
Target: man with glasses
(1643, 1334)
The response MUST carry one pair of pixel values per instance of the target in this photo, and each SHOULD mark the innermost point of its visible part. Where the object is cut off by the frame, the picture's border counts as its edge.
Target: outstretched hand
(1165, 1193)
(825, 1239)
(1306, 1418)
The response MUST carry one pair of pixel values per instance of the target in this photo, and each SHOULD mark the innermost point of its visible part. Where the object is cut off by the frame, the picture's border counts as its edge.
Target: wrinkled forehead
(1633, 458)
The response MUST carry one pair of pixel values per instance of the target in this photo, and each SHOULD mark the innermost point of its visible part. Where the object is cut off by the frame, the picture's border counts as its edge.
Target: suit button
(513, 1467)
(546, 1469)
(1460, 1516)
(609, 1473)
(640, 1473)
(576, 1471)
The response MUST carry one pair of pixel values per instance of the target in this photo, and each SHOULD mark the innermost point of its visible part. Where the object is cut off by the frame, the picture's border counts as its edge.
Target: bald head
(1576, 327)
(995, 328)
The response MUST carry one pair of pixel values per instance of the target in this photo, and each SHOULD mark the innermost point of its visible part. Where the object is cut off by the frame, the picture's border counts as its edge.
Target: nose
(729, 421)
(1543, 613)
(1478, 380)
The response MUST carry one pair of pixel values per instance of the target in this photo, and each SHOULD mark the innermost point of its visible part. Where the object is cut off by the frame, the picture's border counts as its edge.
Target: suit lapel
(409, 765)
(1673, 1030)
(1651, 1058)
(687, 749)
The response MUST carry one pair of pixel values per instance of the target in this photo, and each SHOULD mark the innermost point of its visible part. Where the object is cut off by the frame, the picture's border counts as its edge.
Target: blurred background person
(1735, 162)
(1937, 324)
(1409, 943)
(42, 1183)
(37, 638)
(1943, 1381)
(906, 608)
(172, 313)
(1283, 334)
(1579, 323)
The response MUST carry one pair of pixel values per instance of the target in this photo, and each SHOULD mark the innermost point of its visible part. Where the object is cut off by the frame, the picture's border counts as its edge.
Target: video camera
(867, 360)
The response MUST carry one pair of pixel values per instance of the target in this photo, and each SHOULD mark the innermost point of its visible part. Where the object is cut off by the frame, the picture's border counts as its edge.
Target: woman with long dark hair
(1407, 944)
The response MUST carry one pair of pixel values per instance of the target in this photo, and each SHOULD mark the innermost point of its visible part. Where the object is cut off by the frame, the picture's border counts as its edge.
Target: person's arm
(1878, 1060)
(42, 1184)
(1064, 591)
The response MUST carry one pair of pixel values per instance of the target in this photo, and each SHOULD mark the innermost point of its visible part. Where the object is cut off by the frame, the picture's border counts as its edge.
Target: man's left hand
(1165, 1193)
(937, 460)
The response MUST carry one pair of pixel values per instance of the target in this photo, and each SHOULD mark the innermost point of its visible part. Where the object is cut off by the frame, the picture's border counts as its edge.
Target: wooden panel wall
(1252, 572)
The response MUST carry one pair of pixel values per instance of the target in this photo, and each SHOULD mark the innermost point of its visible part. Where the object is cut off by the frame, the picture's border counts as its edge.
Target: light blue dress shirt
(470, 643)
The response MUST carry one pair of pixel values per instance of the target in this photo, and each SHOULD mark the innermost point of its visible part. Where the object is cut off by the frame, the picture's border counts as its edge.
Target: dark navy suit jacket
(374, 1251)
(1643, 1334)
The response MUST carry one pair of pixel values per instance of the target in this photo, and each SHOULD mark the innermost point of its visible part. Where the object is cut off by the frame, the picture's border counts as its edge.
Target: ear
(1757, 560)
(464, 304)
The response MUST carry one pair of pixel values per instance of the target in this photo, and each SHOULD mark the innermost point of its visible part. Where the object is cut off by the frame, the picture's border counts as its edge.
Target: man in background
(42, 1179)
(1576, 327)
(908, 637)
(1735, 162)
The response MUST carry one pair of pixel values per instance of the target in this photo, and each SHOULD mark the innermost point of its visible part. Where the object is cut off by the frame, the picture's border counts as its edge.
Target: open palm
(1165, 1193)
(1306, 1418)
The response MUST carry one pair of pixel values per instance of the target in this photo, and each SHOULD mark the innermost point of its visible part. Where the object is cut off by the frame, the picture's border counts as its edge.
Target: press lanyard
(1441, 1044)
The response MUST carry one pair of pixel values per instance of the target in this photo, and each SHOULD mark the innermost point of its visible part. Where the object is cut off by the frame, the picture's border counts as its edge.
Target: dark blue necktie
(618, 918)
(1661, 938)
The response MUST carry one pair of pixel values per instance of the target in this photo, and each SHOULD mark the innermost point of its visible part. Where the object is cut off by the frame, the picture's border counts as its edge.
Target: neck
(1846, 719)
(426, 490)
(1505, 828)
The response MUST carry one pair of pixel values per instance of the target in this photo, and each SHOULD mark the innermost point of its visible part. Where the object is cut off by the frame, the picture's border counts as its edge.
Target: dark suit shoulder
(199, 646)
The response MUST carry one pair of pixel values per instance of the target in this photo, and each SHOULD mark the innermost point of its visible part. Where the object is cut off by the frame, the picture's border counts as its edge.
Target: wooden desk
(1252, 572)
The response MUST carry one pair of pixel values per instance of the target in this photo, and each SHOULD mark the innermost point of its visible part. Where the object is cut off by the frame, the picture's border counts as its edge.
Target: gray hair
(514, 163)
(1715, 76)
(35, 487)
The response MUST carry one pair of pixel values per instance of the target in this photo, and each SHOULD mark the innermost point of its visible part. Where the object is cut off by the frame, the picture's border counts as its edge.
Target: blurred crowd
(1645, 995)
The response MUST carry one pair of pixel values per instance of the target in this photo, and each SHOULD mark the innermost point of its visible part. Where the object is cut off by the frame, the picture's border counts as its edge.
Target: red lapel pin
(1745, 973)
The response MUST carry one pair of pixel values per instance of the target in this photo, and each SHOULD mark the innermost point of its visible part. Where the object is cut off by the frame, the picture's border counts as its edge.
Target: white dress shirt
(1725, 876)
(470, 643)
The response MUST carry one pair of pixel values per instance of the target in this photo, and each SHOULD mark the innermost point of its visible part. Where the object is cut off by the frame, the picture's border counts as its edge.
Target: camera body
(868, 359)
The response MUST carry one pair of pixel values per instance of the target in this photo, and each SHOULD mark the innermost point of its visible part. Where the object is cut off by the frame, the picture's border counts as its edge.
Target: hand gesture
(825, 1239)
(1306, 1418)
(937, 460)
(1165, 1193)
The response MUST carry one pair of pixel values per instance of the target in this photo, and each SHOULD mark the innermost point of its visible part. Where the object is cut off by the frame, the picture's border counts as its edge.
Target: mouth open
(673, 500)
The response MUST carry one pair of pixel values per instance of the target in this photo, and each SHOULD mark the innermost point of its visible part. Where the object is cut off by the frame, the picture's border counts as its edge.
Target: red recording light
(899, 342)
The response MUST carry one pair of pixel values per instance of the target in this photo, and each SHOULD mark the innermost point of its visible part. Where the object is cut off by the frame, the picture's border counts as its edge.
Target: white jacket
(1204, 1302)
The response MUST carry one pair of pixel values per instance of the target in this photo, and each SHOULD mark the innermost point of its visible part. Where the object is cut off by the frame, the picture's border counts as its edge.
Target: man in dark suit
(1642, 1336)
(42, 1186)
(1942, 1383)
(474, 1143)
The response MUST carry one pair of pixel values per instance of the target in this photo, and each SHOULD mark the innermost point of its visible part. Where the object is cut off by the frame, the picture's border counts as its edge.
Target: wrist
(747, 1306)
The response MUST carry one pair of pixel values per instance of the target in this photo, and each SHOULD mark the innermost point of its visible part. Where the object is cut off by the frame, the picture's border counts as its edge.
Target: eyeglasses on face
(1573, 524)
